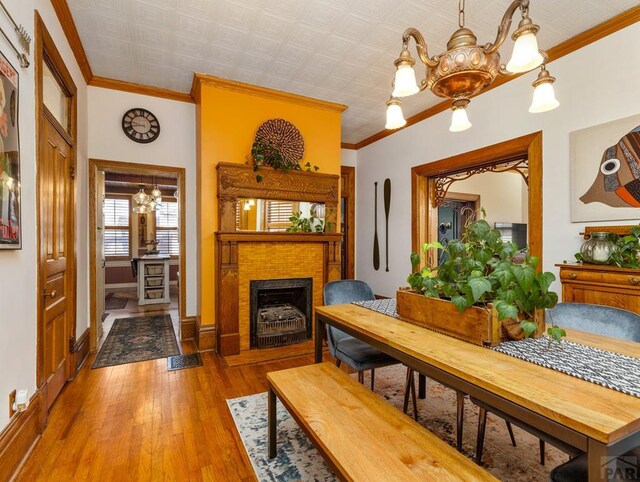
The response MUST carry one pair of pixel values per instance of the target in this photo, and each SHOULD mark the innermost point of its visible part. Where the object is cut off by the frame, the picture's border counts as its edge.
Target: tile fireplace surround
(242, 257)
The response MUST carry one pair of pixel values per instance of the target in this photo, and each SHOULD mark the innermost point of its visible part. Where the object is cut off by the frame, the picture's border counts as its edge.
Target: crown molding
(235, 86)
(71, 32)
(346, 145)
(583, 39)
(73, 38)
(134, 88)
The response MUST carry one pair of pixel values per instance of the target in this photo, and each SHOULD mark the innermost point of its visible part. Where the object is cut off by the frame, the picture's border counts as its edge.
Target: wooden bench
(359, 434)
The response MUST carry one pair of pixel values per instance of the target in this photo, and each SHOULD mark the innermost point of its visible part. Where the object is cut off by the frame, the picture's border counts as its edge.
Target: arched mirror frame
(424, 214)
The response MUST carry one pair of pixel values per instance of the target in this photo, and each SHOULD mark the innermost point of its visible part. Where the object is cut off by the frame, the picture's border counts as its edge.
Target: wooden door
(100, 259)
(348, 221)
(55, 180)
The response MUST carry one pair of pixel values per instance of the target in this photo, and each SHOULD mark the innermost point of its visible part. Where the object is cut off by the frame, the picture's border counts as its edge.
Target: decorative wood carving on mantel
(238, 181)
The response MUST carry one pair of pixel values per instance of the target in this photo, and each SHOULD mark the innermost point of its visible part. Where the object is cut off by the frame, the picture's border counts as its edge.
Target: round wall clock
(140, 125)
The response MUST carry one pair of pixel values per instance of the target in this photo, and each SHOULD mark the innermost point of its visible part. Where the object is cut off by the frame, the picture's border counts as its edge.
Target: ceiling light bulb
(141, 197)
(246, 206)
(405, 82)
(141, 209)
(252, 202)
(525, 56)
(156, 192)
(544, 97)
(152, 204)
(459, 120)
(395, 118)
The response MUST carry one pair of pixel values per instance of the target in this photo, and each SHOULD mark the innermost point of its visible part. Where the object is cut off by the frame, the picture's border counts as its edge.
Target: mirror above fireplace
(270, 215)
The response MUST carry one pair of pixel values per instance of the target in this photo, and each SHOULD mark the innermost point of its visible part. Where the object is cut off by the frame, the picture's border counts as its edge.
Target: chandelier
(146, 203)
(466, 68)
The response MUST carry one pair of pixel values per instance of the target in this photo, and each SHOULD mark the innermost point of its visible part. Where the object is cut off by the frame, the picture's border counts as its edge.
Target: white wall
(348, 157)
(500, 194)
(596, 84)
(175, 147)
(18, 295)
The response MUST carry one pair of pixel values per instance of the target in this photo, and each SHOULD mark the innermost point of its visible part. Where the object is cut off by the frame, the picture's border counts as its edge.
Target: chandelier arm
(421, 46)
(505, 25)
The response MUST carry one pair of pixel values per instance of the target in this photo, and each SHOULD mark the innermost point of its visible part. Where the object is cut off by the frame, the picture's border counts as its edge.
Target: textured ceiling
(336, 50)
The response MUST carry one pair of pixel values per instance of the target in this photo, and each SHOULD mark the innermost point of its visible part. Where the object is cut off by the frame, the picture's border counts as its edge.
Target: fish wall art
(605, 171)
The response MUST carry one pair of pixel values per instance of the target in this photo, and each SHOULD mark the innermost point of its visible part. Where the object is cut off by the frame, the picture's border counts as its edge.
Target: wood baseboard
(19, 437)
(188, 328)
(205, 336)
(79, 350)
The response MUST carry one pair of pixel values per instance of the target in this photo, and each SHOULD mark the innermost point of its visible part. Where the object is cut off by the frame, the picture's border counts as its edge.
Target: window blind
(116, 212)
(116, 226)
(278, 214)
(167, 228)
(167, 215)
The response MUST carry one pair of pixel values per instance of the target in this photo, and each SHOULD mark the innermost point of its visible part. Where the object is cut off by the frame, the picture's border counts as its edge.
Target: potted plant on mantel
(483, 291)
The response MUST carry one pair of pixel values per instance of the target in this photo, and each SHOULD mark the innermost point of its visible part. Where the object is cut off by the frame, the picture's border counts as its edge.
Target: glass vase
(598, 248)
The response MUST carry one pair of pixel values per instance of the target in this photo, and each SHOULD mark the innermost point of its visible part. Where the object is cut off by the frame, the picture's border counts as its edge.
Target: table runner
(605, 368)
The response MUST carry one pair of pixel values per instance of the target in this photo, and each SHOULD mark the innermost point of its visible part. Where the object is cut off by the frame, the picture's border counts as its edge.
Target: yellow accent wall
(228, 115)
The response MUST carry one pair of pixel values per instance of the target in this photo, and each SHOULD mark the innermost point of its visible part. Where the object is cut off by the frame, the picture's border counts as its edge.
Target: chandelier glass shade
(141, 197)
(142, 209)
(395, 119)
(146, 203)
(156, 193)
(466, 68)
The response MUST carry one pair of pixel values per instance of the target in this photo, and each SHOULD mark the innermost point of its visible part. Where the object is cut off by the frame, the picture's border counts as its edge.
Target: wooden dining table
(602, 422)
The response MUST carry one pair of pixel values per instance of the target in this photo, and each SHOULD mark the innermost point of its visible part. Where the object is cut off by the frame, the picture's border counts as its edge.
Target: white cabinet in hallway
(153, 279)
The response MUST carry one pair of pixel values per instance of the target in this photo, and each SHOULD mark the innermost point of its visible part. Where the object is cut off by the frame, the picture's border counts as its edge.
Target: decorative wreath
(284, 137)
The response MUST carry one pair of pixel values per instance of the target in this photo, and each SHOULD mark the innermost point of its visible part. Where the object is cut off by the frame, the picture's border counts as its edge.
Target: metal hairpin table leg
(318, 338)
(422, 386)
(271, 423)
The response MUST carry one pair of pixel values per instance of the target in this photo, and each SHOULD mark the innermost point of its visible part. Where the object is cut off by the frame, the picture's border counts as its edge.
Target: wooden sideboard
(601, 285)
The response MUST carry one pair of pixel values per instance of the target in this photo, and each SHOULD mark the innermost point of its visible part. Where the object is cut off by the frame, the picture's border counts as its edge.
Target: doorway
(453, 215)
(515, 158)
(137, 248)
(348, 220)
(55, 201)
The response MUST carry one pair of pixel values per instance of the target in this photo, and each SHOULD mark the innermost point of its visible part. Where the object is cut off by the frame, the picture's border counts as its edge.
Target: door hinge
(72, 170)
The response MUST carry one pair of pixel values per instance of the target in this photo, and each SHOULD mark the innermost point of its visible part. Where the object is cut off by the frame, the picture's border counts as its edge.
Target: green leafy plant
(626, 253)
(264, 154)
(301, 224)
(481, 268)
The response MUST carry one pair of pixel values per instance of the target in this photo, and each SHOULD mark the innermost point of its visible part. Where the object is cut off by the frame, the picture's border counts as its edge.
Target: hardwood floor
(141, 422)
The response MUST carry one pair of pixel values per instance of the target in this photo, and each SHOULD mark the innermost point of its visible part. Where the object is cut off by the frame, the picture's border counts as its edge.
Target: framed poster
(605, 171)
(10, 220)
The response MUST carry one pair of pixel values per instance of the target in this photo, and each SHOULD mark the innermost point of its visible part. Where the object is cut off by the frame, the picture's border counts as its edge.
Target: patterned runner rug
(298, 459)
(611, 370)
(138, 339)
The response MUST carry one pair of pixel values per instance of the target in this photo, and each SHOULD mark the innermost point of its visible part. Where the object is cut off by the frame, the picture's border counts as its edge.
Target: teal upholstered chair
(601, 320)
(596, 319)
(344, 348)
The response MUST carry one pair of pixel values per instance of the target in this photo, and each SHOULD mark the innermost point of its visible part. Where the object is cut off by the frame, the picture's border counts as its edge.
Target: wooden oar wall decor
(387, 207)
(376, 245)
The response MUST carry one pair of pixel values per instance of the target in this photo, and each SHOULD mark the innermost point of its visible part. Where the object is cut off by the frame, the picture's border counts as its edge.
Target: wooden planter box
(476, 325)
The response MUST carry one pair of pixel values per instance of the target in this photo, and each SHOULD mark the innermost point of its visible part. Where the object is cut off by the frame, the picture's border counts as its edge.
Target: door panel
(56, 214)
(100, 259)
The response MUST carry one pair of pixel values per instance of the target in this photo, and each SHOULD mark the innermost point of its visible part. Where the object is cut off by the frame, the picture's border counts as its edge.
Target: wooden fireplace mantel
(266, 237)
(238, 181)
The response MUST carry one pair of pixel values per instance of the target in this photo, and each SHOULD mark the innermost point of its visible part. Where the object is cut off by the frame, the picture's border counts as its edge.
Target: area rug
(115, 302)
(138, 339)
(180, 362)
(297, 459)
